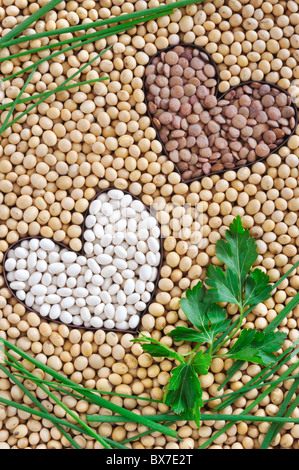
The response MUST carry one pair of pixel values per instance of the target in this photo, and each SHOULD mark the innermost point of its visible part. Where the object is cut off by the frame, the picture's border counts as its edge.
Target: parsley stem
(234, 332)
(296, 265)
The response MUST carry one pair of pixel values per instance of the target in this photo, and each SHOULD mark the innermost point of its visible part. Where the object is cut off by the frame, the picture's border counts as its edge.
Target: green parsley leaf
(239, 251)
(181, 333)
(257, 346)
(257, 288)
(269, 342)
(208, 317)
(184, 392)
(224, 285)
(202, 363)
(157, 349)
(195, 305)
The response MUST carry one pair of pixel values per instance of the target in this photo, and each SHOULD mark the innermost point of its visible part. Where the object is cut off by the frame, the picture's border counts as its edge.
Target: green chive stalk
(28, 21)
(52, 418)
(7, 40)
(282, 412)
(46, 94)
(96, 399)
(56, 90)
(248, 409)
(39, 405)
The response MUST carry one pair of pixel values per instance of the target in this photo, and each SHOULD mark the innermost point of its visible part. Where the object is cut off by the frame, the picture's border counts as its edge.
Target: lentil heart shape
(204, 133)
(108, 284)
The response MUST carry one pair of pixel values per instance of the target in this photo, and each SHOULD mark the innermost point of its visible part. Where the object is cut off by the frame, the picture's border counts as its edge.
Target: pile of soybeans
(83, 140)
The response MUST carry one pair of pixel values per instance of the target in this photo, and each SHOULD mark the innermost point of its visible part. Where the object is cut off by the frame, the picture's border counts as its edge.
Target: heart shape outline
(81, 252)
(219, 96)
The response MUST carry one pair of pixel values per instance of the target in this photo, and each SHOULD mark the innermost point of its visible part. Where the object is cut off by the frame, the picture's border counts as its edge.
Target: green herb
(184, 393)
(259, 379)
(257, 346)
(239, 284)
(282, 412)
(205, 417)
(272, 325)
(16, 101)
(8, 40)
(250, 407)
(46, 94)
(56, 90)
(208, 317)
(89, 396)
(38, 404)
(28, 21)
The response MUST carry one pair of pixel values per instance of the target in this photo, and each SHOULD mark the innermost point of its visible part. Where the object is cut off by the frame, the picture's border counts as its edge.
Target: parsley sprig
(238, 282)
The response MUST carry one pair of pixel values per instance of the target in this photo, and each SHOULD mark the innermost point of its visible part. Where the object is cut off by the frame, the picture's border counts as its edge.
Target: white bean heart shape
(109, 284)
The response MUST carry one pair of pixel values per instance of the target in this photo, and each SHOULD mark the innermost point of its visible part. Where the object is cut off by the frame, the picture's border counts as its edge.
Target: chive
(96, 436)
(85, 429)
(253, 418)
(59, 88)
(70, 412)
(92, 36)
(122, 419)
(59, 389)
(16, 101)
(77, 387)
(164, 9)
(281, 316)
(28, 21)
(52, 418)
(139, 436)
(33, 379)
(204, 417)
(46, 93)
(44, 59)
(249, 408)
(97, 400)
(237, 394)
(39, 405)
(275, 428)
